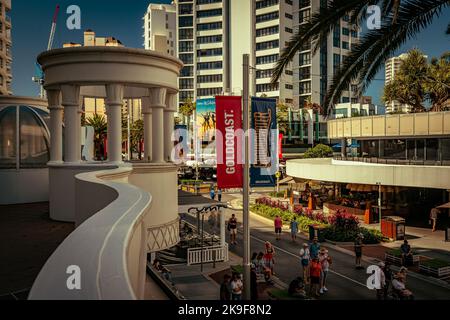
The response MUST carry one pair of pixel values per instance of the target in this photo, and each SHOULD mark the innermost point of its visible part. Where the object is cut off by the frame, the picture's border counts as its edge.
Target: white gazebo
(115, 74)
(122, 211)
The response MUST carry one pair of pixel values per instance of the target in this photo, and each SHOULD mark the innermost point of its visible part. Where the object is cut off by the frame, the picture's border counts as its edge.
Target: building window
(186, 34)
(185, 8)
(289, 72)
(209, 39)
(345, 45)
(288, 30)
(304, 73)
(261, 74)
(209, 13)
(336, 62)
(187, 71)
(206, 92)
(305, 87)
(289, 86)
(304, 3)
(267, 31)
(186, 84)
(268, 45)
(209, 65)
(304, 16)
(289, 16)
(199, 2)
(186, 46)
(337, 36)
(185, 21)
(267, 87)
(209, 26)
(187, 58)
(304, 58)
(266, 3)
(267, 59)
(346, 31)
(209, 52)
(209, 78)
(267, 16)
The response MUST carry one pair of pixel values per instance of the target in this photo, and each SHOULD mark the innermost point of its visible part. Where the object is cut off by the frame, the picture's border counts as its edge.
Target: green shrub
(435, 263)
(342, 235)
(277, 194)
(319, 151)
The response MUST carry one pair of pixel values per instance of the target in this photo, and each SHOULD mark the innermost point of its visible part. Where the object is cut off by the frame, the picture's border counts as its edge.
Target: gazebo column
(158, 103)
(70, 102)
(147, 112)
(56, 129)
(114, 102)
(169, 124)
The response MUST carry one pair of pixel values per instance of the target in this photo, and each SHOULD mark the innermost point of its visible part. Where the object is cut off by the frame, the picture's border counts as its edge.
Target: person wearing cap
(399, 286)
(305, 257)
(325, 261)
(358, 251)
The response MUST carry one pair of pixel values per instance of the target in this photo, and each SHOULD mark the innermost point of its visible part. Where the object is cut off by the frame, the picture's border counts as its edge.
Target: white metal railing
(210, 254)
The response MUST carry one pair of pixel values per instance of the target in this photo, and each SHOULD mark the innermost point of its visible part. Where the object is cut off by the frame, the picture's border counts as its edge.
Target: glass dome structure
(24, 137)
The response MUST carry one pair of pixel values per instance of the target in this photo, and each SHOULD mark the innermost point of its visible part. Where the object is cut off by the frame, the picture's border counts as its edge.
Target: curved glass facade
(24, 137)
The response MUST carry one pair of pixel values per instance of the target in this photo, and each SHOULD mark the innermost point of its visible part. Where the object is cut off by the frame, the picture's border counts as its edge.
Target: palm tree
(438, 84)
(409, 85)
(401, 20)
(137, 136)
(98, 122)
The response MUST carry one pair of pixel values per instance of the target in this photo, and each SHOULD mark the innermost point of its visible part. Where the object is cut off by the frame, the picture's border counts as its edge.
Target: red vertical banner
(280, 146)
(229, 142)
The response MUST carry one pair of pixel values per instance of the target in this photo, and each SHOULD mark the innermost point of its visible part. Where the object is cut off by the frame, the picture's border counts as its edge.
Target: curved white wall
(437, 177)
(109, 247)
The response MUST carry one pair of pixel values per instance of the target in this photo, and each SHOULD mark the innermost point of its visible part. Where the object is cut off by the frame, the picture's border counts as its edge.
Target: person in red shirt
(278, 226)
(315, 270)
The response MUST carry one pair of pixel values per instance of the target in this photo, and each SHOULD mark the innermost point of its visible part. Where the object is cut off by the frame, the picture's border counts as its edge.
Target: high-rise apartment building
(392, 67)
(5, 48)
(214, 34)
(160, 28)
(313, 73)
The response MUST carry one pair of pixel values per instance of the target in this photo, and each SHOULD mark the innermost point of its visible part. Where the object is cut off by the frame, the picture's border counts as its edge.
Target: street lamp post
(379, 203)
(246, 187)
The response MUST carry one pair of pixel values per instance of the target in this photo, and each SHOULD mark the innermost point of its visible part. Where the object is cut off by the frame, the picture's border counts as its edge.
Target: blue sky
(123, 19)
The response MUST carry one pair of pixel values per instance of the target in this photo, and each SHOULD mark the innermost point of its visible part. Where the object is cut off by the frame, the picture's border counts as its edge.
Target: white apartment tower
(160, 28)
(5, 48)
(392, 67)
(214, 34)
(313, 72)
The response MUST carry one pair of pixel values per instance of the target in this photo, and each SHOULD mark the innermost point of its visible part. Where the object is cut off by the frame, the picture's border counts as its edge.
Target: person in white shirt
(305, 257)
(398, 284)
(325, 260)
(236, 287)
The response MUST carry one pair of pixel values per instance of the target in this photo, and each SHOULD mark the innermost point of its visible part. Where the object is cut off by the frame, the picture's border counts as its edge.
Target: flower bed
(341, 227)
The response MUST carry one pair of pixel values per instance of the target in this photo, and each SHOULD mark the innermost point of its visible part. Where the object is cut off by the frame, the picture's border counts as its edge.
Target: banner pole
(246, 187)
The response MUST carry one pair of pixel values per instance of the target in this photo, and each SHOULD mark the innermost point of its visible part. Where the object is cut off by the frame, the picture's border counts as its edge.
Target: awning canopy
(444, 206)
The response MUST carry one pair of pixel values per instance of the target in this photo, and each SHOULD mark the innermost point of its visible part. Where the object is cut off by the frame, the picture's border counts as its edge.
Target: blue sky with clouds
(123, 19)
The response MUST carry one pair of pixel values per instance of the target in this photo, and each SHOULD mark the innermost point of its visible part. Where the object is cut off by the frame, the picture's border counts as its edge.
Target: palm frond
(376, 46)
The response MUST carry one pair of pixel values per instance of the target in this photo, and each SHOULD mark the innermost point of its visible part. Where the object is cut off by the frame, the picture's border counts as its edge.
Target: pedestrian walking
(315, 272)
(314, 248)
(269, 256)
(219, 195)
(232, 228)
(212, 193)
(433, 218)
(225, 288)
(236, 287)
(358, 251)
(294, 229)
(278, 222)
(325, 261)
(305, 258)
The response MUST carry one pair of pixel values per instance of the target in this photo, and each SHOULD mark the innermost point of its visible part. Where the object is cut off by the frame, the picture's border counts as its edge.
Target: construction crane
(39, 77)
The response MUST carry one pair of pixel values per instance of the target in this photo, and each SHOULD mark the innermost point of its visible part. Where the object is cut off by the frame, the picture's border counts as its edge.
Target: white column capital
(54, 99)
(157, 97)
(171, 102)
(114, 94)
(146, 105)
(70, 95)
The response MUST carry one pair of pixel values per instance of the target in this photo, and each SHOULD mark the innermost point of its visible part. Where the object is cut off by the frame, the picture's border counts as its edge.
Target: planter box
(398, 260)
(436, 272)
